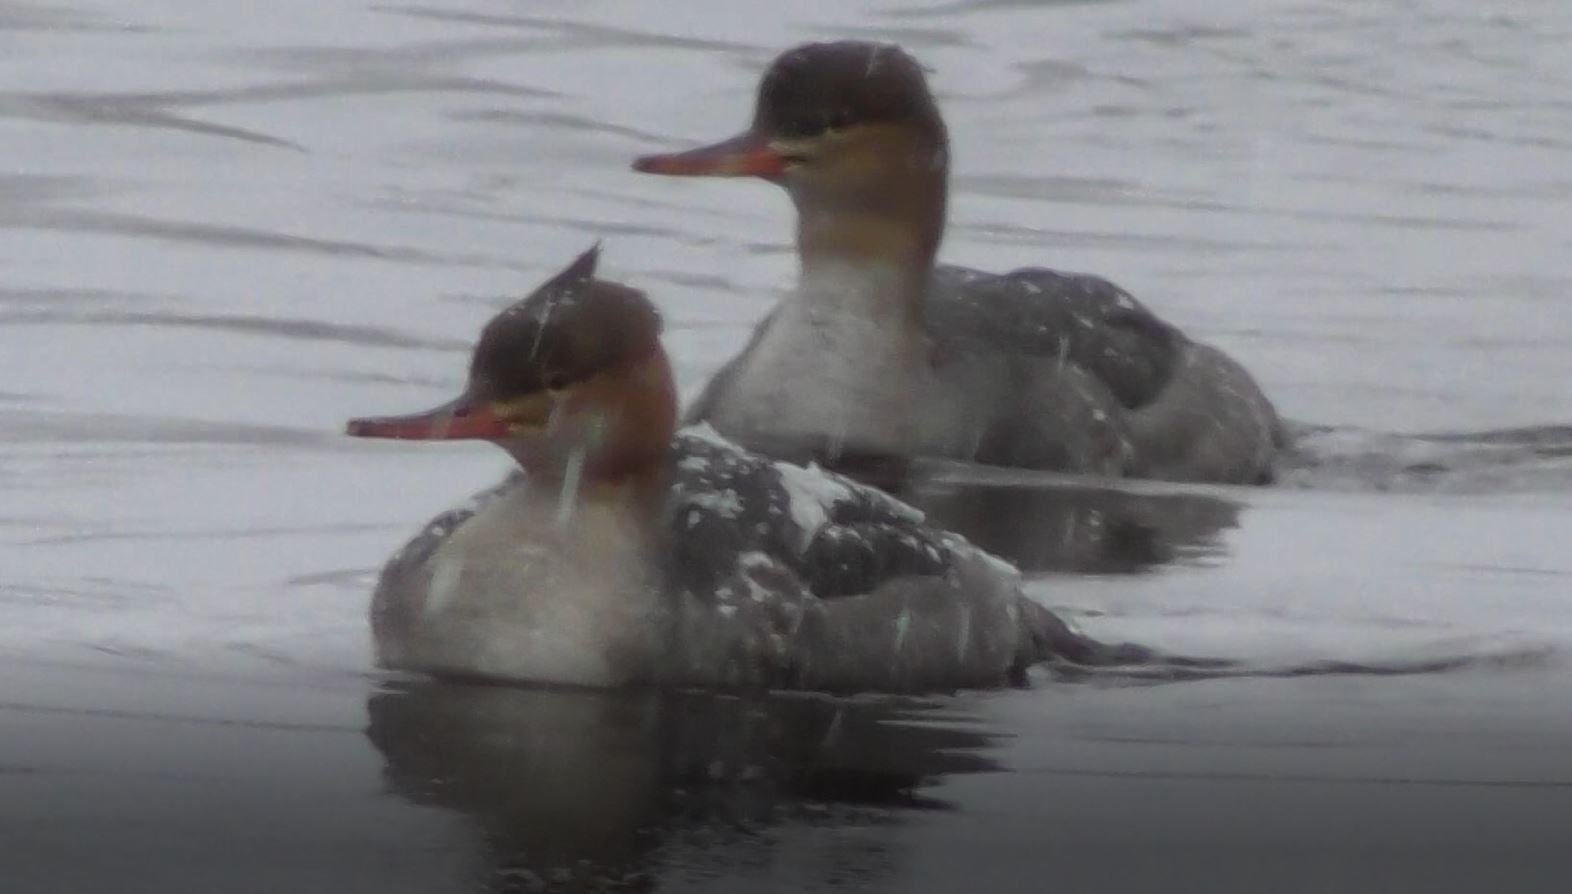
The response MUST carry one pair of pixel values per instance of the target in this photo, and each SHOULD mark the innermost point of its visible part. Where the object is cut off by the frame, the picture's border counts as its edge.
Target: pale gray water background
(227, 227)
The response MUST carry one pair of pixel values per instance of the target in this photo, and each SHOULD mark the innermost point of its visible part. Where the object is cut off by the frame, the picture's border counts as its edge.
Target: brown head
(851, 131)
(573, 375)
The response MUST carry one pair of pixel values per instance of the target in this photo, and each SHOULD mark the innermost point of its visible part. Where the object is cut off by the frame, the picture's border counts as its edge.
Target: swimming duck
(880, 352)
(623, 553)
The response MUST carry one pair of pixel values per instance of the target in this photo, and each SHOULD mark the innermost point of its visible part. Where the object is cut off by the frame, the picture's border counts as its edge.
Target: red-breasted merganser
(880, 352)
(625, 554)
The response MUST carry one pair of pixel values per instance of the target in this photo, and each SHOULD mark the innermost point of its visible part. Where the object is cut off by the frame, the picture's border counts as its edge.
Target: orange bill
(746, 155)
(460, 419)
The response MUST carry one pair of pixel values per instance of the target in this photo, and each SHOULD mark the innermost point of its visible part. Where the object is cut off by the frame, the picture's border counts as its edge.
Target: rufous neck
(879, 249)
(623, 421)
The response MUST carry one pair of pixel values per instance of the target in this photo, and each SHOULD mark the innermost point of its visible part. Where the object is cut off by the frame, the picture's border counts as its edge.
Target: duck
(881, 352)
(623, 552)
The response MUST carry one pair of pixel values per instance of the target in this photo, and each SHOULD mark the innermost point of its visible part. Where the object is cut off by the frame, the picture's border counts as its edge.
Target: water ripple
(293, 329)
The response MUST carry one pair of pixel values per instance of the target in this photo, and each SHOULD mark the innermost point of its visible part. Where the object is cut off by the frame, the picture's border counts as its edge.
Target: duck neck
(871, 256)
(624, 421)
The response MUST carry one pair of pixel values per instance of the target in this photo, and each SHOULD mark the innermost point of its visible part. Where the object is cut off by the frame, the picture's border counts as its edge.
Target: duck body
(880, 350)
(826, 376)
(760, 574)
(624, 553)
(1033, 368)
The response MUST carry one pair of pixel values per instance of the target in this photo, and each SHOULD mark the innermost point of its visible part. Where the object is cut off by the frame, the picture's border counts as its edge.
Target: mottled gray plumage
(1067, 372)
(1193, 412)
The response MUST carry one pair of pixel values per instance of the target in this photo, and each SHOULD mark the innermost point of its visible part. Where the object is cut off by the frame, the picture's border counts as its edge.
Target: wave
(1512, 460)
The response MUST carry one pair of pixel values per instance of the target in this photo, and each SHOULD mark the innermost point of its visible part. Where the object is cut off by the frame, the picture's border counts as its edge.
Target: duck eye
(821, 124)
(804, 130)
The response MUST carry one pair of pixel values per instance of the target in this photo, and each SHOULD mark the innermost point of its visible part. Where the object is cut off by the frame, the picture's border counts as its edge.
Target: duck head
(852, 132)
(571, 381)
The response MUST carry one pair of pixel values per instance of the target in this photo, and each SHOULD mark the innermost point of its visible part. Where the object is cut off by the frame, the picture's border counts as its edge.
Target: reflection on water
(589, 790)
(1080, 526)
(1526, 459)
(1047, 522)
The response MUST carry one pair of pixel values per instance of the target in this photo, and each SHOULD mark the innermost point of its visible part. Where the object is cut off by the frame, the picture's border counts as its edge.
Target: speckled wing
(1086, 320)
(840, 538)
(793, 577)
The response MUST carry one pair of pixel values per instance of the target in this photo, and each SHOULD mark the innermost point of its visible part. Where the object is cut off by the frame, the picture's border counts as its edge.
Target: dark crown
(570, 328)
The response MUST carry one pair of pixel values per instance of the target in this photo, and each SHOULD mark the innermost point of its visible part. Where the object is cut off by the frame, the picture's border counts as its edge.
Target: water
(228, 227)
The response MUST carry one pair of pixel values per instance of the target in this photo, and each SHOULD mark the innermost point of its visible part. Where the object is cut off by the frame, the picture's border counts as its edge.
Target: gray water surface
(227, 227)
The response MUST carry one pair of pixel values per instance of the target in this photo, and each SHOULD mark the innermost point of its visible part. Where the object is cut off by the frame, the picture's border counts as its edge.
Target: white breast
(833, 364)
(818, 371)
(515, 594)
